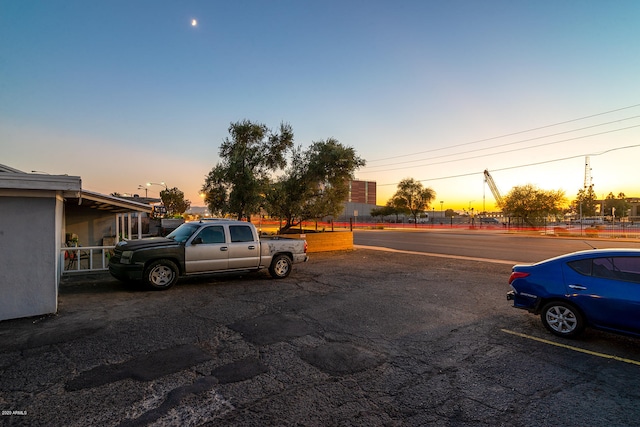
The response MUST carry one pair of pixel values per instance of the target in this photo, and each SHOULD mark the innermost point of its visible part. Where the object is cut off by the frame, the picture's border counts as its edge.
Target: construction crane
(492, 185)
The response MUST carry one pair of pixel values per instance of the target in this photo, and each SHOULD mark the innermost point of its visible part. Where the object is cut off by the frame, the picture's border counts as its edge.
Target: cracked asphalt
(360, 338)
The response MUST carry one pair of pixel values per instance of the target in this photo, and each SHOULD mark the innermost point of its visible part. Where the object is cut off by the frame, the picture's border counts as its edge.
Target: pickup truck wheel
(161, 274)
(280, 267)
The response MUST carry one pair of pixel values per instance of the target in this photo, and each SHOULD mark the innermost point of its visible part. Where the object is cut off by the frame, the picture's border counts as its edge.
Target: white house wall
(30, 259)
(59, 239)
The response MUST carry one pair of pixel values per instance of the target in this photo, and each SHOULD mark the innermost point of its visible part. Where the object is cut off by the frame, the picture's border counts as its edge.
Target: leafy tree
(586, 201)
(388, 210)
(173, 200)
(530, 203)
(236, 185)
(412, 197)
(616, 206)
(315, 183)
(381, 211)
(216, 191)
(286, 197)
(330, 167)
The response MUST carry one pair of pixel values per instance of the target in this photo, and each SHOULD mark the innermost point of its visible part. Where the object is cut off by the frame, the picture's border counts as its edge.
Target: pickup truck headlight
(125, 258)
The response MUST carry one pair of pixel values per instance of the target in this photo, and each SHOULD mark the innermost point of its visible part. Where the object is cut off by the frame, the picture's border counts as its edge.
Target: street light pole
(146, 190)
(613, 217)
(149, 184)
(471, 213)
(163, 209)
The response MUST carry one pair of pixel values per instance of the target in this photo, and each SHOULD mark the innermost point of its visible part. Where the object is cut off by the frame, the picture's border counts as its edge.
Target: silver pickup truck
(207, 246)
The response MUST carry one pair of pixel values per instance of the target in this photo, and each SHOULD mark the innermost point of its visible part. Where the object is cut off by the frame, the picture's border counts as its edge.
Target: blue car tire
(562, 319)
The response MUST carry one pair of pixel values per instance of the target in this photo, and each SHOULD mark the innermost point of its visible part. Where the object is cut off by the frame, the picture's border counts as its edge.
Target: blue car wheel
(562, 319)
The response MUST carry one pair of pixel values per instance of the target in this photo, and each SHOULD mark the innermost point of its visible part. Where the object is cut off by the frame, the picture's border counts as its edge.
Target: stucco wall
(28, 249)
(93, 225)
(90, 225)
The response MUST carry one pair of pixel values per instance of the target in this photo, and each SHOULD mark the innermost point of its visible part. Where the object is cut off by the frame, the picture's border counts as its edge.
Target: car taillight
(517, 275)
(305, 246)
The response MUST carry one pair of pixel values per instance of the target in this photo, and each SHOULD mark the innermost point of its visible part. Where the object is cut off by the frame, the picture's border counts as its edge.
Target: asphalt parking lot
(360, 338)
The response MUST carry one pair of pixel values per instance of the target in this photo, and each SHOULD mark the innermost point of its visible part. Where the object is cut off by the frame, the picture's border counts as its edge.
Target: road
(352, 338)
(490, 245)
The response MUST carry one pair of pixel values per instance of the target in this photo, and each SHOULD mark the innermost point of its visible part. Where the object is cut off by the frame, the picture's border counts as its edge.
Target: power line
(507, 151)
(521, 166)
(509, 134)
(509, 143)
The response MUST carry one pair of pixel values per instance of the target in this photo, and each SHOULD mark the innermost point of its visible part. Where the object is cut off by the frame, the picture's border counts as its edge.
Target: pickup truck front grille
(117, 254)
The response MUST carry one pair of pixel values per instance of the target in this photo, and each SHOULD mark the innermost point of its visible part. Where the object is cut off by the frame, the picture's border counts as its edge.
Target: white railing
(85, 258)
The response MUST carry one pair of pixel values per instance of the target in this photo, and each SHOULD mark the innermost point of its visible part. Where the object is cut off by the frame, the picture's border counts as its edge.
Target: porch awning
(102, 202)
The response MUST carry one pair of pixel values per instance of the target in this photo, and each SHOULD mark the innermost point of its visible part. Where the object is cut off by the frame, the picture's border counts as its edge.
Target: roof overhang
(29, 181)
(106, 203)
(14, 181)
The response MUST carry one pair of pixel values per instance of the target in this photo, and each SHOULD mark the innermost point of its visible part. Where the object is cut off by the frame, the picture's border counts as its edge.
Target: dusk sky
(125, 92)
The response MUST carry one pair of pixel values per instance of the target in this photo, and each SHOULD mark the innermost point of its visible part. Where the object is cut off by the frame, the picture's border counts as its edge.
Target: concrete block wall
(327, 241)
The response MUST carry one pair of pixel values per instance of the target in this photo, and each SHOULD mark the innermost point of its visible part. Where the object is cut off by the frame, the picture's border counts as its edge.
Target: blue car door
(610, 295)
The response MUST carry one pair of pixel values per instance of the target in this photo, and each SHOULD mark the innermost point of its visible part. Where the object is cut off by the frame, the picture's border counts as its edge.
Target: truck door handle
(578, 287)
(252, 247)
(224, 248)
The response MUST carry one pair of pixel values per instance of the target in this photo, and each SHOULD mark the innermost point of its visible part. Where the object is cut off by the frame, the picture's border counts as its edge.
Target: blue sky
(127, 92)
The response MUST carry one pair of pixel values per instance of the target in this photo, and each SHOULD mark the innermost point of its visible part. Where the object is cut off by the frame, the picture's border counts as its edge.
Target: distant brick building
(362, 192)
(360, 200)
(634, 208)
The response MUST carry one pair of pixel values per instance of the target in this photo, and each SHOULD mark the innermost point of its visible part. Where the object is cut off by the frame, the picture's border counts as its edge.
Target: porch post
(122, 230)
(117, 228)
(129, 225)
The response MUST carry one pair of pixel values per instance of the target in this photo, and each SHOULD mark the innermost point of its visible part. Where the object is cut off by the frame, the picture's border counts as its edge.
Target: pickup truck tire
(161, 274)
(280, 267)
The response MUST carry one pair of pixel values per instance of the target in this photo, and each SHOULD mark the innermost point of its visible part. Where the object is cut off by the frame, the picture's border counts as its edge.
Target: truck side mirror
(197, 241)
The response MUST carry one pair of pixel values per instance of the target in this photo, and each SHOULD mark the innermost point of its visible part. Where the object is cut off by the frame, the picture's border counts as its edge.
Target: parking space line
(570, 347)
(468, 258)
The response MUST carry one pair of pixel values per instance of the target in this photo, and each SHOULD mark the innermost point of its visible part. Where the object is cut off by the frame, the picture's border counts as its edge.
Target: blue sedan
(599, 288)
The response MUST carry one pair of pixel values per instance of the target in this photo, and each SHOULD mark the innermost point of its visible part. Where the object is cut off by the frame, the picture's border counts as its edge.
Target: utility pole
(587, 172)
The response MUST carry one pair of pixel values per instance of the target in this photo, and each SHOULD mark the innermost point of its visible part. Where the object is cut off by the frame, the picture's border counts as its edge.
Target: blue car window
(603, 267)
(618, 268)
(627, 268)
(582, 266)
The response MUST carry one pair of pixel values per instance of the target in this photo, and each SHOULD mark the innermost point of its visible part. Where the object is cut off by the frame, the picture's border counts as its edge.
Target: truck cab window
(214, 234)
(182, 233)
(241, 233)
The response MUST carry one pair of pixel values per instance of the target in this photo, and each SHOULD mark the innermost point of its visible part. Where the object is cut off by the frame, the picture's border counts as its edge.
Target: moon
(194, 22)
